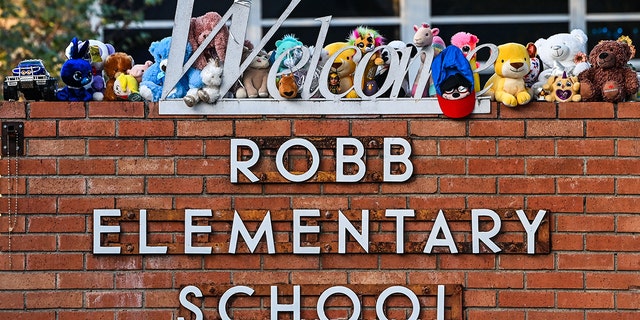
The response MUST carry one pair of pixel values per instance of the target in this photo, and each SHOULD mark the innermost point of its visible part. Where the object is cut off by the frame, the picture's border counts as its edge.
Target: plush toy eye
(360, 45)
(462, 89)
(502, 61)
(558, 84)
(77, 76)
(568, 84)
(449, 91)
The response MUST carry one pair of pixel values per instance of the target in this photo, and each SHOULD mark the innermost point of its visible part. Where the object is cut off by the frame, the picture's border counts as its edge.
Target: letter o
(314, 154)
(415, 304)
(334, 290)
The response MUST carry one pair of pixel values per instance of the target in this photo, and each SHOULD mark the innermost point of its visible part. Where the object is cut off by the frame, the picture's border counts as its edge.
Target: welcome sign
(309, 103)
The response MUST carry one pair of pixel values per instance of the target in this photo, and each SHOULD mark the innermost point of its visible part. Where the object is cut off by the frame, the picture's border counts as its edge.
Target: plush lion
(609, 78)
(507, 83)
(287, 86)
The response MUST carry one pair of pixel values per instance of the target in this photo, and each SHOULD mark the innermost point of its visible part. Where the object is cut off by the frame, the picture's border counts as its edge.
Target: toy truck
(32, 79)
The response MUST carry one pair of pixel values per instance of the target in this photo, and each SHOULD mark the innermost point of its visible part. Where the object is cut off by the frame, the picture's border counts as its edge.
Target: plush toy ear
(415, 27)
(531, 49)
(474, 39)
(74, 48)
(278, 43)
(425, 25)
(435, 31)
(83, 50)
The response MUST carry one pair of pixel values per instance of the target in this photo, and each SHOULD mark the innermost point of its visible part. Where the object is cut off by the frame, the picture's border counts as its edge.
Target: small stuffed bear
(118, 62)
(254, 79)
(287, 86)
(609, 78)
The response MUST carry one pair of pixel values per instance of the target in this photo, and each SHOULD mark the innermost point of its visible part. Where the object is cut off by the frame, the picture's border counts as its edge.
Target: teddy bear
(609, 78)
(153, 78)
(342, 69)
(254, 78)
(507, 85)
(558, 54)
(138, 70)
(118, 62)
(562, 89)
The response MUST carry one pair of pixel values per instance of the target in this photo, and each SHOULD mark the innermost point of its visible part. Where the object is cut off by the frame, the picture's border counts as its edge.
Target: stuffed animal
(382, 74)
(76, 75)
(199, 30)
(467, 42)
(153, 78)
(287, 44)
(562, 89)
(453, 79)
(254, 79)
(287, 86)
(138, 70)
(609, 78)
(507, 85)
(98, 53)
(125, 87)
(212, 79)
(424, 37)
(367, 40)
(343, 68)
(536, 66)
(118, 62)
(558, 53)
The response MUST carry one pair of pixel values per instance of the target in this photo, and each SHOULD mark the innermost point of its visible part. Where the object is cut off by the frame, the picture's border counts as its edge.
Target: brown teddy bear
(199, 30)
(118, 62)
(287, 86)
(609, 78)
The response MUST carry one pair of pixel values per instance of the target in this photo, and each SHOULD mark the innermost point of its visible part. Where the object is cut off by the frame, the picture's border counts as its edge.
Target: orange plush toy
(118, 62)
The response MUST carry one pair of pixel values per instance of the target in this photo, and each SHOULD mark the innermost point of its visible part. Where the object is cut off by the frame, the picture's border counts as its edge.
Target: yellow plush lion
(507, 83)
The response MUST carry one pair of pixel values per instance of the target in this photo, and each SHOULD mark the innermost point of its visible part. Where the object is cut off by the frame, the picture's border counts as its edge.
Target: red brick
(618, 242)
(84, 204)
(424, 147)
(582, 185)
(323, 128)
(429, 128)
(438, 165)
(32, 204)
(205, 128)
(496, 128)
(555, 128)
(489, 279)
(137, 280)
(628, 261)
(585, 300)
(144, 202)
(526, 262)
(290, 188)
(526, 185)
(145, 128)
(494, 314)
(13, 110)
(144, 314)
(381, 128)
(583, 147)
(218, 147)
(467, 185)
(11, 300)
(618, 166)
(115, 185)
(468, 147)
(57, 186)
(472, 262)
(293, 262)
(526, 299)
(75, 243)
(597, 128)
(374, 277)
(567, 241)
(222, 277)
(555, 313)
(86, 128)
(206, 166)
(57, 224)
(526, 147)
(113, 262)
(570, 204)
(496, 166)
(262, 128)
(33, 167)
(233, 262)
(611, 204)
(56, 110)
(554, 166)
(334, 261)
(611, 315)
(54, 299)
(203, 202)
(116, 109)
(489, 201)
(586, 261)
(29, 242)
(40, 129)
(407, 261)
(116, 299)
(618, 281)
(628, 223)
(98, 147)
(531, 110)
(160, 299)
(320, 202)
(28, 281)
(67, 147)
(85, 314)
(479, 298)
(174, 147)
(13, 185)
(86, 166)
(628, 148)
(422, 185)
(367, 202)
(584, 223)
(57, 261)
(218, 185)
(175, 185)
(629, 300)
(436, 202)
(145, 166)
(585, 110)
(556, 280)
(628, 110)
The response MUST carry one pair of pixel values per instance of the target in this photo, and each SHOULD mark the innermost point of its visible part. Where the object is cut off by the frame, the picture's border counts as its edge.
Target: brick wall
(580, 161)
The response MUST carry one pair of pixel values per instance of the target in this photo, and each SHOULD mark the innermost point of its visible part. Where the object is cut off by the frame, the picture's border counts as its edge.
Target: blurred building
(492, 21)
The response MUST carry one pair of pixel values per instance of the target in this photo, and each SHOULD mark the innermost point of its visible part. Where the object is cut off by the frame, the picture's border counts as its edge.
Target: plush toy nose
(603, 55)
(517, 65)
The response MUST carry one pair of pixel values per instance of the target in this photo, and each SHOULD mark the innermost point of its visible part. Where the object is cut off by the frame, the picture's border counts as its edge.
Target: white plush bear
(561, 54)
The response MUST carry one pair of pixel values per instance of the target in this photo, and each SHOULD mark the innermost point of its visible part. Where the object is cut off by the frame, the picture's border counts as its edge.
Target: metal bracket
(12, 139)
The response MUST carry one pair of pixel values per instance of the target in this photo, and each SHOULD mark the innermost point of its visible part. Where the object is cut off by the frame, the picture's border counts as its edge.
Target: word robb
(440, 234)
(341, 160)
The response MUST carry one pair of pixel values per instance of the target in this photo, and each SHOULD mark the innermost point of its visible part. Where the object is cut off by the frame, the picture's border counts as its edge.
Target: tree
(42, 29)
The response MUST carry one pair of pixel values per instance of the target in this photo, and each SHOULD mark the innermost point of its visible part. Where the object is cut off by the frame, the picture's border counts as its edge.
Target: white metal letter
(190, 229)
(298, 229)
(337, 290)
(341, 159)
(484, 236)
(144, 248)
(222, 306)
(415, 304)
(345, 225)
(440, 304)
(265, 230)
(243, 166)
(400, 214)
(99, 229)
(531, 228)
(315, 156)
(187, 304)
(277, 308)
(440, 225)
(400, 158)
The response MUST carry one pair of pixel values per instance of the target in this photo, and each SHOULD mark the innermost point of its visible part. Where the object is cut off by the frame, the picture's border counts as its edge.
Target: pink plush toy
(138, 70)
(199, 30)
(467, 42)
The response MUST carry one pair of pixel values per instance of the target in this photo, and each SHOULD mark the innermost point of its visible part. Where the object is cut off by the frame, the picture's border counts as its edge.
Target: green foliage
(42, 29)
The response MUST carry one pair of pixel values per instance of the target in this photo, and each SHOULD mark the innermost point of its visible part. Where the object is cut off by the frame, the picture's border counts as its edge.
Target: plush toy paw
(190, 100)
(98, 96)
(611, 91)
(146, 93)
(241, 93)
(523, 97)
(586, 90)
(508, 100)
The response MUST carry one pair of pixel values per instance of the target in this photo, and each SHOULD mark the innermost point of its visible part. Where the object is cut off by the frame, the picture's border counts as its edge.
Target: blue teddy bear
(153, 78)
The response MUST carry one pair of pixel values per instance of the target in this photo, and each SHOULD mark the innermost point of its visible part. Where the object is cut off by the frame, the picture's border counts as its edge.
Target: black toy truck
(32, 79)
